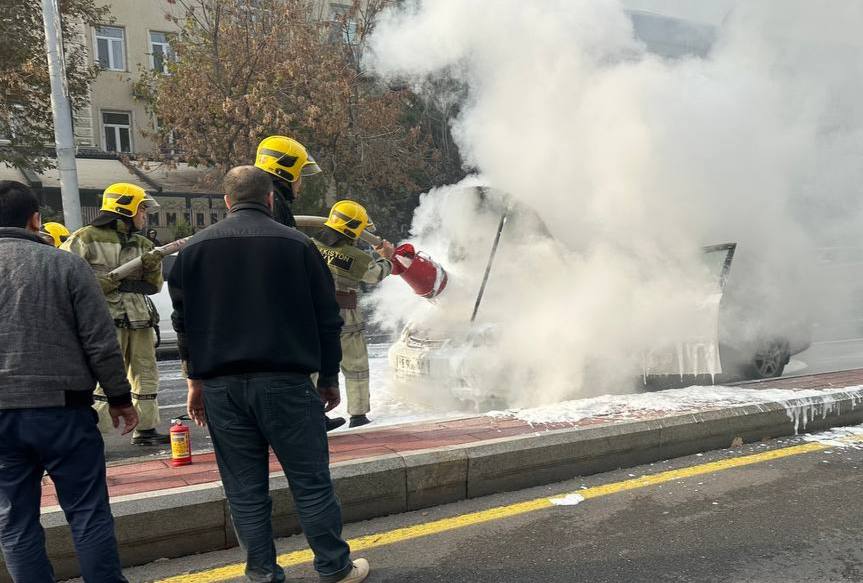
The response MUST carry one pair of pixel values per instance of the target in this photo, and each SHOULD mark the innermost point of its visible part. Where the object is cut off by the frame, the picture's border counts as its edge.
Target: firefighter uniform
(105, 247)
(350, 266)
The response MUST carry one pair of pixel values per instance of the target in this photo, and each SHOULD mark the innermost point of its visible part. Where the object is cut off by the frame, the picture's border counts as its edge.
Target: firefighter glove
(151, 261)
(385, 249)
(108, 283)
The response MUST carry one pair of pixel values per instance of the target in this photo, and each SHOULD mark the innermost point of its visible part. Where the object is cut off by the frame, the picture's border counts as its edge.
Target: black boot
(334, 423)
(150, 437)
(359, 420)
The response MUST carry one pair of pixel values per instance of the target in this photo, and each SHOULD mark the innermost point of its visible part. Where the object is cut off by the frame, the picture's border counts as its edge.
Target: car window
(717, 259)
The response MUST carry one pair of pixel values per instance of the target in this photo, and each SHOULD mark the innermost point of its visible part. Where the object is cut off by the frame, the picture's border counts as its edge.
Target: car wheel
(493, 403)
(770, 360)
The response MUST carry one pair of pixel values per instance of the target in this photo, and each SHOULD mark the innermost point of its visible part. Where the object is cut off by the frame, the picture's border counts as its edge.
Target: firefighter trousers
(355, 362)
(138, 347)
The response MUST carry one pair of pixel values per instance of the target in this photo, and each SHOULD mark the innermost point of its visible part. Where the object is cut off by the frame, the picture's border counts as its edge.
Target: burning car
(735, 330)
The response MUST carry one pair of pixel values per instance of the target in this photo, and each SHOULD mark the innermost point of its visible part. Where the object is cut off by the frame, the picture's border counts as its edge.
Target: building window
(172, 219)
(160, 51)
(199, 219)
(214, 218)
(153, 219)
(343, 27)
(111, 48)
(12, 125)
(117, 131)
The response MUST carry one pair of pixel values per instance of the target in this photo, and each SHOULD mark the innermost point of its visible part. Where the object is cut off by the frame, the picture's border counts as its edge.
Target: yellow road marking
(407, 533)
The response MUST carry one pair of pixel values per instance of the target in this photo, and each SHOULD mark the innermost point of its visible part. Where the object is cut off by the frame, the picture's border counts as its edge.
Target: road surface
(779, 511)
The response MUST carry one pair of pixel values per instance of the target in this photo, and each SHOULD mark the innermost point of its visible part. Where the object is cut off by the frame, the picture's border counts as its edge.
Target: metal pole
(489, 264)
(64, 137)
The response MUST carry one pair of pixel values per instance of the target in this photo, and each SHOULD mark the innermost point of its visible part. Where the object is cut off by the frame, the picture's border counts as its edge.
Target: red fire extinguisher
(181, 443)
(427, 278)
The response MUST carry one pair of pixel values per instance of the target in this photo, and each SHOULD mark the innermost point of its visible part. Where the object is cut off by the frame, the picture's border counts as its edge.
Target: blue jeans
(66, 443)
(247, 415)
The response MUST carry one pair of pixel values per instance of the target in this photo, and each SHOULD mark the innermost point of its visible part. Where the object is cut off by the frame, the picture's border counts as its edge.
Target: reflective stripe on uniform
(353, 328)
(356, 375)
(140, 397)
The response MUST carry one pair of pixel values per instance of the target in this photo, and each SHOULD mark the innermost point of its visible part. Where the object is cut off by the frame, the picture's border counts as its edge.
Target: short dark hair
(247, 184)
(18, 203)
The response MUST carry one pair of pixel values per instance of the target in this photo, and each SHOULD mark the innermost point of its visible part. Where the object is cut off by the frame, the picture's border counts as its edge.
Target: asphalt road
(792, 519)
(172, 403)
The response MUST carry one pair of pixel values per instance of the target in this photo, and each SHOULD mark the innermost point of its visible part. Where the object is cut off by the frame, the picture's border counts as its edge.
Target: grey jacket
(56, 336)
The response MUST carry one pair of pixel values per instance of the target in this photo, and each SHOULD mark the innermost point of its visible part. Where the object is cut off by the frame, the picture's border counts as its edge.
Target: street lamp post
(64, 138)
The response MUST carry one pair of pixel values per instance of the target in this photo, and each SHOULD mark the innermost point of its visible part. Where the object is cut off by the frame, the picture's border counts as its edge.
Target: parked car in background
(167, 347)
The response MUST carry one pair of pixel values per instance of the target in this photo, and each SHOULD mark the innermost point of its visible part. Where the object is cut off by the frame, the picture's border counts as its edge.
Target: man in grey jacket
(56, 341)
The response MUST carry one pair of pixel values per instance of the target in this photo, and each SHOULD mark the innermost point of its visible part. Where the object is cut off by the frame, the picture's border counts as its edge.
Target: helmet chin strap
(284, 188)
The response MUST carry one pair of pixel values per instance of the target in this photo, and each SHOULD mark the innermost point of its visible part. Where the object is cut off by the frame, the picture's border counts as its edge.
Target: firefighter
(55, 233)
(112, 239)
(349, 265)
(287, 161)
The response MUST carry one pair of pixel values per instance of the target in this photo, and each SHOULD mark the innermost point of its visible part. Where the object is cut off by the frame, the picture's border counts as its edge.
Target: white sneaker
(358, 573)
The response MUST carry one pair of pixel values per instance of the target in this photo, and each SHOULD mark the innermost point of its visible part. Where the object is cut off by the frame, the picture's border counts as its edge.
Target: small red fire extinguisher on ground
(181, 443)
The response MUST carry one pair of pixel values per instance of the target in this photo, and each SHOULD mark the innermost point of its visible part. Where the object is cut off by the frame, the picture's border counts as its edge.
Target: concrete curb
(195, 519)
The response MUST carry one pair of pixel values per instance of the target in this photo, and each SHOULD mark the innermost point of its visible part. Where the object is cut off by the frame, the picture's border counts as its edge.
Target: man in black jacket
(287, 161)
(56, 340)
(256, 314)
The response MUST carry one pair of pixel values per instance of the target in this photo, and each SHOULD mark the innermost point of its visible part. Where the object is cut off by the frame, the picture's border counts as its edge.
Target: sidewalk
(155, 475)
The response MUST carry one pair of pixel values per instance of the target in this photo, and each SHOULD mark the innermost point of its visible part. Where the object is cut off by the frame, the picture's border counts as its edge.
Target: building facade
(114, 126)
(138, 39)
(114, 130)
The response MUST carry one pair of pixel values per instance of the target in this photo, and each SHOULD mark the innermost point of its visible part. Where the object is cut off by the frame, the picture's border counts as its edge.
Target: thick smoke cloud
(633, 161)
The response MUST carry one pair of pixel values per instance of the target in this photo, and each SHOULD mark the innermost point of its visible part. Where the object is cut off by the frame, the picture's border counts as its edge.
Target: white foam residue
(568, 500)
(794, 367)
(839, 437)
(801, 405)
(802, 409)
(390, 405)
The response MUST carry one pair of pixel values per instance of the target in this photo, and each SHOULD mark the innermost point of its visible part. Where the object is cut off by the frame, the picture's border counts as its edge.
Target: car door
(696, 354)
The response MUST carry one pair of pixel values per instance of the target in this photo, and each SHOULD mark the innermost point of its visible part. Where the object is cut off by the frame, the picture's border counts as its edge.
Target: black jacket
(251, 296)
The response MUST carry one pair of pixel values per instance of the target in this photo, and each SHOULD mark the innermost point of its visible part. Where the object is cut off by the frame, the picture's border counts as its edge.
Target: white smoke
(633, 161)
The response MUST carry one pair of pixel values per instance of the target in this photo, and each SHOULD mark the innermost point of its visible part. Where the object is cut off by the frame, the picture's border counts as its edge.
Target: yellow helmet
(124, 199)
(348, 218)
(285, 158)
(57, 232)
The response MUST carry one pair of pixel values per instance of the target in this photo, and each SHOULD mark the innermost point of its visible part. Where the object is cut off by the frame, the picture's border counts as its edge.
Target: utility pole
(64, 137)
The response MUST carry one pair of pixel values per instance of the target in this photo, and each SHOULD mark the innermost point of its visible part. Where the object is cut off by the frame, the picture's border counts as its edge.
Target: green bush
(183, 229)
